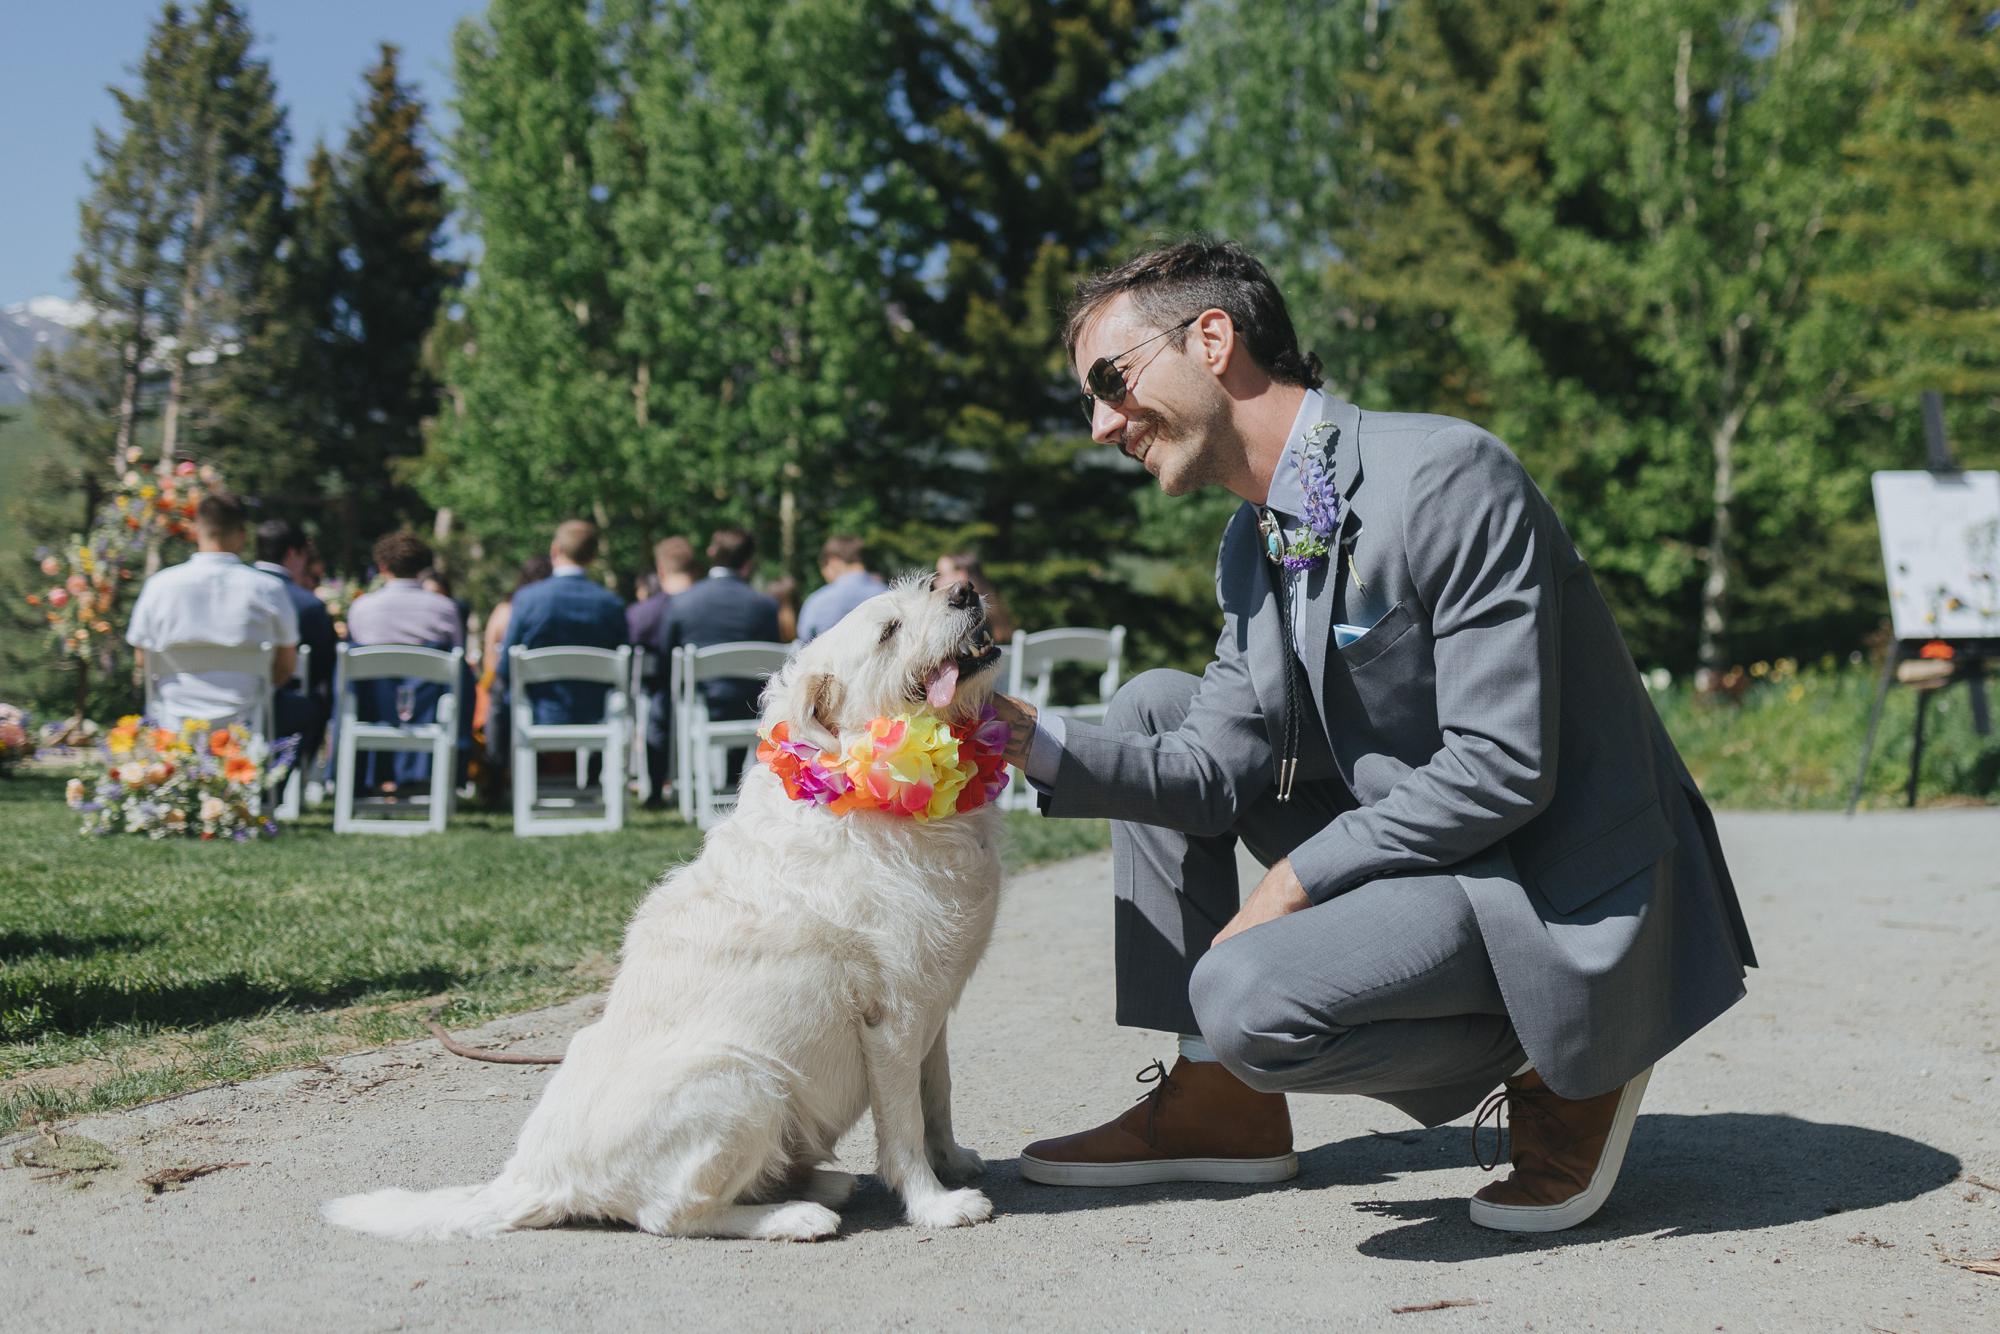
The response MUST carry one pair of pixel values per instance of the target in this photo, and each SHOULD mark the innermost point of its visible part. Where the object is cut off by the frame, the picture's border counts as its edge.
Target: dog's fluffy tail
(437, 1215)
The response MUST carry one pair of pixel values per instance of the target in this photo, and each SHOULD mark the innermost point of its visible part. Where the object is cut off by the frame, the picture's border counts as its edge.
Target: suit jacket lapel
(1322, 585)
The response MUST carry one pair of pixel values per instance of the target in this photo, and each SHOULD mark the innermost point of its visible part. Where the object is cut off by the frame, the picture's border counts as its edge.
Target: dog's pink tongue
(942, 686)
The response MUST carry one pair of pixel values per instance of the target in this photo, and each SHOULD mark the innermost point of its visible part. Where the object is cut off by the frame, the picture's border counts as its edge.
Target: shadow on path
(1691, 1175)
(1684, 1176)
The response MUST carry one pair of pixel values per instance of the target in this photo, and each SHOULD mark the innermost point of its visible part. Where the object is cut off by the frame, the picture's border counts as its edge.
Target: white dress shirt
(212, 598)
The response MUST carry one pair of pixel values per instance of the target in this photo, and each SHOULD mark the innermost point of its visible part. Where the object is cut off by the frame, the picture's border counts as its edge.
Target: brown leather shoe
(1197, 1123)
(1566, 1153)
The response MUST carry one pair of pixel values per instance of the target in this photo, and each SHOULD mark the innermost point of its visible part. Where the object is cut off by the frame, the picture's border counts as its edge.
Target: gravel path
(1815, 1160)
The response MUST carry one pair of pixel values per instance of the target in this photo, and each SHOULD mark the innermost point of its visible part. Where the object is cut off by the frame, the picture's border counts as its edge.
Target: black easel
(1928, 672)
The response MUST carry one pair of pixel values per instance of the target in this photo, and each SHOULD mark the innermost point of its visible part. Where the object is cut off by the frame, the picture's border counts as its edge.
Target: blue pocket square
(1343, 635)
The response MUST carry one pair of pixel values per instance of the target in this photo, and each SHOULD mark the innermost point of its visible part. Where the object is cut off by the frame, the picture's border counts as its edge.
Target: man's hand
(1278, 894)
(1019, 715)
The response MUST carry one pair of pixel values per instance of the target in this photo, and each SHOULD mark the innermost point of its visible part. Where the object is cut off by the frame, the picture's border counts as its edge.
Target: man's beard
(1195, 446)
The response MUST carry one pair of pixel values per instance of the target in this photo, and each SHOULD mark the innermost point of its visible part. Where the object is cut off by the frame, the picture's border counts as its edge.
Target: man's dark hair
(277, 539)
(219, 515)
(403, 555)
(731, 548)
(845, 548)
(1177, 282)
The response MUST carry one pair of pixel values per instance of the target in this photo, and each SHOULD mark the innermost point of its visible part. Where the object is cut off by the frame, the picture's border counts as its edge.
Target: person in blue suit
(721, 609)
(569, 609)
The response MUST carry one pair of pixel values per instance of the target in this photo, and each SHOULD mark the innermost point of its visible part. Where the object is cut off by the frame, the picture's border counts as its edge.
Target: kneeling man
(1487, 863)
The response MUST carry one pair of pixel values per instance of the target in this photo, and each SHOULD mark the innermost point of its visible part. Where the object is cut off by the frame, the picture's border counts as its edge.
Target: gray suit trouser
(1385, 990)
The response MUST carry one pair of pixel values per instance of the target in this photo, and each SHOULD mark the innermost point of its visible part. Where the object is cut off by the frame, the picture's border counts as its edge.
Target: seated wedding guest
(286, 554)
(568, 609)
(214, 598)
(784, 590)
(673, 574)
(401, 611)
(963, 567)
(489, 724)
(843, 564)
(720, 609)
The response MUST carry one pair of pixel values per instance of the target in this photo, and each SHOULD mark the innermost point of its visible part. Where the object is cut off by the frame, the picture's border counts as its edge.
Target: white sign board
(1941, 551)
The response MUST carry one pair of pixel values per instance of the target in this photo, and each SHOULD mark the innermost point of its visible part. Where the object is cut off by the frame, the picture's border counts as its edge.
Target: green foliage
(1008, 107)
(170, 965)
(368, 281)
(1920, 229)
(1612, 233)
(1792, 738)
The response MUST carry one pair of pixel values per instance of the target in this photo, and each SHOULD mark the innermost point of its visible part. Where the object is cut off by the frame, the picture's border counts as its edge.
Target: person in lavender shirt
(402, 611)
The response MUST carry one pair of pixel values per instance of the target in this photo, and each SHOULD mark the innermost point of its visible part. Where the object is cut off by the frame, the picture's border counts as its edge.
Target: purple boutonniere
(1309, 547)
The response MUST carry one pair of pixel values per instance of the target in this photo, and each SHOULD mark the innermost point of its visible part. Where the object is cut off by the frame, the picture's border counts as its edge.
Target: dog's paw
(801, 1220)
(956, 1164)
(955, 1208)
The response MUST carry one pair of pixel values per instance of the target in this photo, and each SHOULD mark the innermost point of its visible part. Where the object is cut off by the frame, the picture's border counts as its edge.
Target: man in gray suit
(1487, 864)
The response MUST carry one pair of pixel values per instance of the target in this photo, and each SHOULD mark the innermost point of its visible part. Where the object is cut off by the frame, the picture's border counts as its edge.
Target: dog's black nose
(963, 595)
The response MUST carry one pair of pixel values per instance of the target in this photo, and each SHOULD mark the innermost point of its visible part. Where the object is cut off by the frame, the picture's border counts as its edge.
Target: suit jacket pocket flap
(1576, 876)
(1381, 636)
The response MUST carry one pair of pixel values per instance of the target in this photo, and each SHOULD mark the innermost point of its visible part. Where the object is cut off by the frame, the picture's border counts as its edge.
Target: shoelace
(1513, 1102)
(1156, 1075)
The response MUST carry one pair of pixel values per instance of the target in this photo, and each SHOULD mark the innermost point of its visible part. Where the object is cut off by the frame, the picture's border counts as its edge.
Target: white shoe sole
(1578, 1207)
(1234, 1171)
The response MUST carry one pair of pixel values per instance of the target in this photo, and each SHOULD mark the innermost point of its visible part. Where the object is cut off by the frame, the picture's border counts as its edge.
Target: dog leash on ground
(457, 1048)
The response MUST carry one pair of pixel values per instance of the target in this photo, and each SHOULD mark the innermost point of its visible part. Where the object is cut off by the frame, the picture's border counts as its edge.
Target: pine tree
(1009, 105)
(368, 280)
(227, 337)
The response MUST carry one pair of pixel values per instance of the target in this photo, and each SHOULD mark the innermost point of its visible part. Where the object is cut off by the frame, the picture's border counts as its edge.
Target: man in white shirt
(214, 598)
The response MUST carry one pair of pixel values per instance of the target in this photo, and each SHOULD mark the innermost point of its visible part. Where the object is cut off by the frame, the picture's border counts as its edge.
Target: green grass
(130, 970)
(1792, 740)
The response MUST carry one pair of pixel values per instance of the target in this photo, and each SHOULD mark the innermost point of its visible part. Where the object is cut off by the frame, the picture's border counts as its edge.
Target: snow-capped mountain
(26, 329)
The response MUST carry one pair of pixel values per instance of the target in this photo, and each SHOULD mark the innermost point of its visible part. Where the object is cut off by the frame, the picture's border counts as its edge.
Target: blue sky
(58, 56)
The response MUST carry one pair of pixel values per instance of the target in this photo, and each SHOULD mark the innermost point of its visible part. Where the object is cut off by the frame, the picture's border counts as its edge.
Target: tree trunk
(1715, 587)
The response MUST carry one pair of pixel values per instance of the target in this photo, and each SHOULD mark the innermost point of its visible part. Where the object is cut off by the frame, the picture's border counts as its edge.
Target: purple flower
(1322, 501)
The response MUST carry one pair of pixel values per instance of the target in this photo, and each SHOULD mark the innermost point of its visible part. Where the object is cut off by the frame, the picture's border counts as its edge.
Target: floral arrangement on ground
(17, 741)
(195, 782)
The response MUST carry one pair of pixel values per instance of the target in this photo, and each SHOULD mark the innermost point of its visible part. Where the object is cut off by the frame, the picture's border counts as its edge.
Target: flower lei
(1309, 547)
(912, 764)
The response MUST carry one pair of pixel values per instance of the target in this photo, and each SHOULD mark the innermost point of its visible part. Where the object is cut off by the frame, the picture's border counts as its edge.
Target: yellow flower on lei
(908, 765)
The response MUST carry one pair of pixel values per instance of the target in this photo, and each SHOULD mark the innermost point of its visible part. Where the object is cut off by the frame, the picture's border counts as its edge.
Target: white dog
(796, 974)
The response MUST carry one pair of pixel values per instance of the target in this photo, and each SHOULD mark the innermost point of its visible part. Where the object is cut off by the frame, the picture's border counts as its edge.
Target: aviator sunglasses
(1106, 378)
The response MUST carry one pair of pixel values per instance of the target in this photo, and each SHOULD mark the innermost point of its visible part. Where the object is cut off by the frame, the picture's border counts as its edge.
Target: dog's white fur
(798, 973)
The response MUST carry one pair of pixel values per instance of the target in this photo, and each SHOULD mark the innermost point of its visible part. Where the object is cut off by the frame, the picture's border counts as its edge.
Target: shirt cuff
(1045, 752)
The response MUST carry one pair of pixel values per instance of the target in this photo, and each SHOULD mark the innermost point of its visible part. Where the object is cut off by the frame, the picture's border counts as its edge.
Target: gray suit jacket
(1490, 724)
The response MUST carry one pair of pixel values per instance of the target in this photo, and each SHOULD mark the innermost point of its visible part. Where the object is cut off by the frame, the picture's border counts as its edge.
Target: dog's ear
(810, 701)
(824, 696)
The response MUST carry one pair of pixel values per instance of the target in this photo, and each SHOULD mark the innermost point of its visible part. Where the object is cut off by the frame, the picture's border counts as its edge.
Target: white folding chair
(703, 743)
(291, 799)
(644, 664)
(250, 706)
(1032, 659)
(373, 662)
(533, 813)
